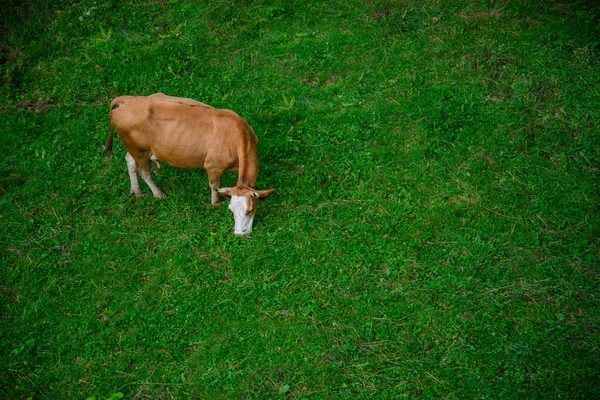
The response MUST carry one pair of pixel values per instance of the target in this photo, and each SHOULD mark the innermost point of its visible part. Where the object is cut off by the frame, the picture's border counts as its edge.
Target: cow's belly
(180, 158)
(186, 148)
(192, 158)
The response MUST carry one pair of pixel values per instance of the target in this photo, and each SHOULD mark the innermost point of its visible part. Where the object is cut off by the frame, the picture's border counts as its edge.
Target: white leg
(155, 190)
(215, 200)
(133, 170)
(214, 179)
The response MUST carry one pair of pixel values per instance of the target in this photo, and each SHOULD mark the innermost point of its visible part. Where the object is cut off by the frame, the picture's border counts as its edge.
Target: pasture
(434, 234)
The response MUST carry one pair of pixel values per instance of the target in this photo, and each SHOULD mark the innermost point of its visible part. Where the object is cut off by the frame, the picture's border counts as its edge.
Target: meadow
(435, 231)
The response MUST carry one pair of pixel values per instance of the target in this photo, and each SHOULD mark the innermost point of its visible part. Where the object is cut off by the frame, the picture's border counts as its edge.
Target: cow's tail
(116, 103)
(109, 144)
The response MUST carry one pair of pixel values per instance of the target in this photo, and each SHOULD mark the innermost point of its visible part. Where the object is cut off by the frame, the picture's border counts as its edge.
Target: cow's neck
(247, 185)
(248, 168)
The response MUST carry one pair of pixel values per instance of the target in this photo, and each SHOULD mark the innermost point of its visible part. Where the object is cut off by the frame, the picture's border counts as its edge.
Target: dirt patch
(483, 15)
(39, 105)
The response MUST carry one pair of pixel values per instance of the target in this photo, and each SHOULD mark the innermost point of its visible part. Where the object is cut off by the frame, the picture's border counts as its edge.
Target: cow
(188, 134)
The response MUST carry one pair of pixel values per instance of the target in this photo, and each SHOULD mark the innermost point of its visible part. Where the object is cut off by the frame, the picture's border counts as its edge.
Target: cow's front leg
(214, 179)
(133, 171)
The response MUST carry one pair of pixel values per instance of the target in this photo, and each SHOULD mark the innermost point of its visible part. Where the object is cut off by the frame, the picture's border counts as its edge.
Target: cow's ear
(263, 194)
(224, 192)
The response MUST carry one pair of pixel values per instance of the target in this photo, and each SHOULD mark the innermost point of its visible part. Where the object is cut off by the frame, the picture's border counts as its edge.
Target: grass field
(434, 234)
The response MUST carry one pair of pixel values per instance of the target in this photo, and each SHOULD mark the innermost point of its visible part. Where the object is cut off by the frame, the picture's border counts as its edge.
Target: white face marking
(243, 222)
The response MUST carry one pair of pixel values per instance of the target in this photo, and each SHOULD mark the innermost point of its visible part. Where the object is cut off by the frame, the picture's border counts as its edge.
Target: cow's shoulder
(233, 122)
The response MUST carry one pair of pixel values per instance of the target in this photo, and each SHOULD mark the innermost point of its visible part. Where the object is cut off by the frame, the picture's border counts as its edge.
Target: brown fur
(185, 134)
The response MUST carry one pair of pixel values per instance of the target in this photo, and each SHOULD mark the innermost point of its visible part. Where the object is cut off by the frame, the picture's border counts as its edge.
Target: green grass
(435, 231)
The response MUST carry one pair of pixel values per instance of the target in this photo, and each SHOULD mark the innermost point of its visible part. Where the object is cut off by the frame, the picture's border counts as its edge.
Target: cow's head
(243, 205)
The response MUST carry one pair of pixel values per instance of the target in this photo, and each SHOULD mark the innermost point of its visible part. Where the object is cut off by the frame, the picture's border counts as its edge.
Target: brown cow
(188, 134)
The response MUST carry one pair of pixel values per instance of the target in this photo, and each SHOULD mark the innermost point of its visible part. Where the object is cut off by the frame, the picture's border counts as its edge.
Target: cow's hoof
(137, 193)
(161, 195)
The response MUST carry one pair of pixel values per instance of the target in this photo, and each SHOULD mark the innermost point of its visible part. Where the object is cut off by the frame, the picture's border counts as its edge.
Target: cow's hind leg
(133, 171)
(144, 166)
(141, 164)
(214, 179)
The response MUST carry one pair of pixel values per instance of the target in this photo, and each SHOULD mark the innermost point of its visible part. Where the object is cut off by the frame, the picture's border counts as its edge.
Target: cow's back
(182, 132)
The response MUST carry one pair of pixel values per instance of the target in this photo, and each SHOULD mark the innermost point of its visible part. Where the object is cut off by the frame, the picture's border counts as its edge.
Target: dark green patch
(435, 227)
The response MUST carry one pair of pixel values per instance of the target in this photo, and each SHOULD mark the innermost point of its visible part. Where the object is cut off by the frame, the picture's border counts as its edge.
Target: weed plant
(435, 231)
